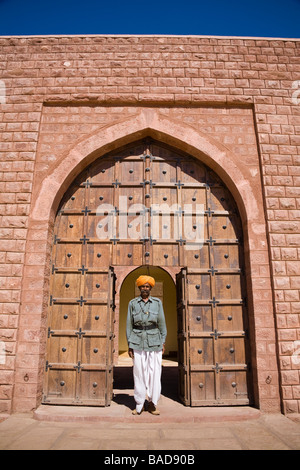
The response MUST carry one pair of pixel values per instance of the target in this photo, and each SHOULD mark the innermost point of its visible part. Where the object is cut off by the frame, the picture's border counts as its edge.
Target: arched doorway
(148, 205)
(165, 290)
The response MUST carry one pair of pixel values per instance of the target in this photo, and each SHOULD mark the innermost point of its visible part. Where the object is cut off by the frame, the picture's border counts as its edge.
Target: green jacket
(145, 314)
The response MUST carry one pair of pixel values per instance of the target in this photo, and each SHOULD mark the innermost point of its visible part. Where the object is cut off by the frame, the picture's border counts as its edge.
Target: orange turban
(144, 279)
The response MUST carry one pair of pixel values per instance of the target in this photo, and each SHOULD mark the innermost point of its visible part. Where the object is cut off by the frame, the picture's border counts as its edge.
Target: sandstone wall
(57, 91)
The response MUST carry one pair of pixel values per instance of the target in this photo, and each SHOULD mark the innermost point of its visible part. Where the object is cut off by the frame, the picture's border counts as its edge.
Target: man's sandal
(152, 409)
(135, 412)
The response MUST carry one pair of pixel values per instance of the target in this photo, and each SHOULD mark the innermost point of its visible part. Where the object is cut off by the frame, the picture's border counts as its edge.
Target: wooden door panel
(129, 254)
(231, 350)
(202, 351)
(101, 227)
(168, 227)
(132, 226)
(193, 195)
(165, 254)
(163, 171)
(225, 227)
(131, 171)
(195, 228)
(63, 349)
(131, 195)
(226, 256)
(197, 258)
(102, 172)
(165, 226)
(137, 151)
(220, 199)
(203, 386)
(99, 195)
(214, 181)
(234, 386)
(95, 286)
(75, 198)
(64, 316)
(61, 386)
(68, 255)
(70, 226)
(228, 286)
(230, 318)
(94, 350)
(200, 318)
(192, 172)
(199, 287)
(164, 196)
(93, 387)
(94, 318)
(161, 153)
(66, 285)
(98, 255)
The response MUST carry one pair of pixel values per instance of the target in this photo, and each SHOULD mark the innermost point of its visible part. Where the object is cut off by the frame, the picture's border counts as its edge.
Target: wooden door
(211, 308)
(213, 343)
(79, 358)
(147, 205)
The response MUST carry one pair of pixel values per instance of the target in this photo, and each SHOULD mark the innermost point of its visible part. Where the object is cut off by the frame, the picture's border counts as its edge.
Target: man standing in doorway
(146, 335)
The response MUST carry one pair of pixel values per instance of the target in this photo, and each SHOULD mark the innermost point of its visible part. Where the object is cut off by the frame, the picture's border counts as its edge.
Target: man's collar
(149, 298)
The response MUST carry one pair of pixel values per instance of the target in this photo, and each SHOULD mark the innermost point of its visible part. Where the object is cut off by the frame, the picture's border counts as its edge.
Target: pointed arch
(149, 122)
(243, 182)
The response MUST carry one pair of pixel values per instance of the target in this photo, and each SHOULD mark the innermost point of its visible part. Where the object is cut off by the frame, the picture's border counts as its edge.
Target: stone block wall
(56, 91)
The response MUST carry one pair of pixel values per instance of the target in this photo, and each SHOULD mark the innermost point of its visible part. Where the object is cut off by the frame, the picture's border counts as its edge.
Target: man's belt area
(145, 327)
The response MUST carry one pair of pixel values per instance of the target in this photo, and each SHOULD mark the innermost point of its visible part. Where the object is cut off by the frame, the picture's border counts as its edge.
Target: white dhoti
(147, 377)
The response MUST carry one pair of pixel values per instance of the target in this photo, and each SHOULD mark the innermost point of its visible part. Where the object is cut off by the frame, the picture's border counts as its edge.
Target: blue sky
(262, 18)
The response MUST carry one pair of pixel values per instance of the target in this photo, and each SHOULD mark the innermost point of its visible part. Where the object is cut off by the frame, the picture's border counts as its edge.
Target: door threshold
(170, 413)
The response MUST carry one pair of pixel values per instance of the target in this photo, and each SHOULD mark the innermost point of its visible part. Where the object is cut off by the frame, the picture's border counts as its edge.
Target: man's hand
(163, 349)
(131, 353)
